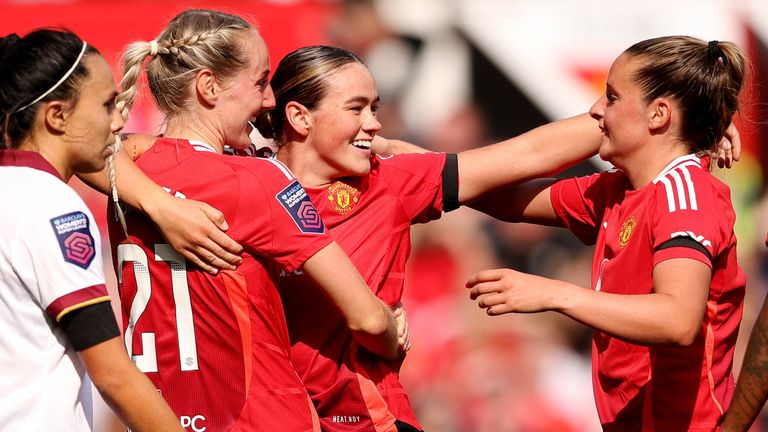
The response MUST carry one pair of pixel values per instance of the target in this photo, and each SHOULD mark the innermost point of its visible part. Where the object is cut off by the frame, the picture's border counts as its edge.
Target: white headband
(64, 78)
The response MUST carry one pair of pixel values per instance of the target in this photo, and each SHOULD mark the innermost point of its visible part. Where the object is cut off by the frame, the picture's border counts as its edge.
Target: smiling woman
(224, 354)
(324, 123)
(228, 64)
(329, 106)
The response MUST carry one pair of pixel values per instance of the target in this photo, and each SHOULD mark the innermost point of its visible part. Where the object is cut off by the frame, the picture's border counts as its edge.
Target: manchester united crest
(626, 231)
(343, 197)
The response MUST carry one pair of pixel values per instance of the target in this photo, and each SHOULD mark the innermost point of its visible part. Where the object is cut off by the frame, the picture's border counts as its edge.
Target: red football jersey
(661, 387)
(370, 217)
(217, 347)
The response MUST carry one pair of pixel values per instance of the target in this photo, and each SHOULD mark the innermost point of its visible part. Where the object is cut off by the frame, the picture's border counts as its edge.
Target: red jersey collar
(28, 159)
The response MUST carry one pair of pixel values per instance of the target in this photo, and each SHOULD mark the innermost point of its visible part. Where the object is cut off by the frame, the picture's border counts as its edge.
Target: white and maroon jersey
(50, 264)
(684, 213)
(217, 347)
(370, 217)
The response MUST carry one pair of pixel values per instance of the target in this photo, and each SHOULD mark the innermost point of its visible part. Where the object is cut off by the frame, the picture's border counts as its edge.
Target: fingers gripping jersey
(660, 387)
(50, 265)
(217, 346)
(370, 218)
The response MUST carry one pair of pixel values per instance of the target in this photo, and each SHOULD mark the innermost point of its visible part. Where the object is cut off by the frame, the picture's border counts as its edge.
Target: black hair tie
(715, 52)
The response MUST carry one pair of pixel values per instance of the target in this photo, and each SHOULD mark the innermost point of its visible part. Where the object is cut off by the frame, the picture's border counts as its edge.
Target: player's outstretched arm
(502, 197)
(546, 150)
(372, 324)
(528, 202)
(536, 153)
(672, 314)
(127, 391)
(542, 151)
(752, 385)
(192, 228)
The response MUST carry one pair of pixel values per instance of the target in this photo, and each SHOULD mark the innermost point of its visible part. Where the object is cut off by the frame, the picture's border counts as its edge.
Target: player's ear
(659, 114)
(55, 115)
(207, 87)
(298, 116)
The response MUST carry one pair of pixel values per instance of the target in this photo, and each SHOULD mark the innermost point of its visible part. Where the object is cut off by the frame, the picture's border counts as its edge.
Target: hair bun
(8, 45)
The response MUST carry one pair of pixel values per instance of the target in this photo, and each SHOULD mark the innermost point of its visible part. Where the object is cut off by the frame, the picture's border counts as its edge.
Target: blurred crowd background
(453, 75)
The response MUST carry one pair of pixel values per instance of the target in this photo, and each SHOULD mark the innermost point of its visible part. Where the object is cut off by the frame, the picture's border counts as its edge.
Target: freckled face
(345, 122)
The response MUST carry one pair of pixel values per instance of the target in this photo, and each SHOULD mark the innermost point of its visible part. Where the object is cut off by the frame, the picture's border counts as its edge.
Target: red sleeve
(688, 206)
(417, 181)
(580, 203)
(275, 216)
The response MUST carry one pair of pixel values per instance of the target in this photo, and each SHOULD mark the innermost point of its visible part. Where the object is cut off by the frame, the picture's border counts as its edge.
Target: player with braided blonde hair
(217, 347)
(180, 51)
(187, 47)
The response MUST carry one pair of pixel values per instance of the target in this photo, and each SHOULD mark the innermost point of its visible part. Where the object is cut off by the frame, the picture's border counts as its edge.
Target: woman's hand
(403, 333)
(729, 148)
(503, 291)
(197, 231)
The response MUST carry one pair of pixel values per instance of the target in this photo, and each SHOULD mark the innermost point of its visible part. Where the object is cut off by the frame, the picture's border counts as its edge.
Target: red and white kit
(370, 218)
(684, 213)
(217, 347)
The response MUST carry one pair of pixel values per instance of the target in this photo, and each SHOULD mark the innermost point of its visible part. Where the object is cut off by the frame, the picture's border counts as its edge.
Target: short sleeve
(276, 216)
(417, 181)
(580, 203)
(59, 257)
(688, 206)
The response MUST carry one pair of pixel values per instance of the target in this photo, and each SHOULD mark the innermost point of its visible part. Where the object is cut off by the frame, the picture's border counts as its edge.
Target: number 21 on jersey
(147, 362)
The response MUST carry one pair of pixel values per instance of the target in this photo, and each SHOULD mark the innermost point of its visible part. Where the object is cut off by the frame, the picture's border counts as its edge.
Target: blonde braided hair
(195, 39)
